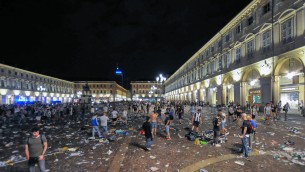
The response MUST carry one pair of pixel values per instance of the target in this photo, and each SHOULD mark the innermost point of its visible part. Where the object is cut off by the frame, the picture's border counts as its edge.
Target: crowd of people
(158, 116)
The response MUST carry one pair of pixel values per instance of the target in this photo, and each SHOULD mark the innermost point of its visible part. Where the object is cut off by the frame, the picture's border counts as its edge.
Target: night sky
(85, 39)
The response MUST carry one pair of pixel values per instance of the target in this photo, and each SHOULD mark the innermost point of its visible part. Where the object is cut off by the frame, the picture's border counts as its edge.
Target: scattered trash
(152, 157)
(109, 152)
(76, 154)
(9, 144)
(288, 149)
(203, 170)
(154, 168)
(73, 149)
(167, 165)
(271, 133)
(2, 164)
(239, 162)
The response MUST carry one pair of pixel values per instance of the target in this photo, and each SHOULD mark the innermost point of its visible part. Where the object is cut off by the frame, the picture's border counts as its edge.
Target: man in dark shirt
(245, 135)
(216, 123)
(35, 149)
(148, 133)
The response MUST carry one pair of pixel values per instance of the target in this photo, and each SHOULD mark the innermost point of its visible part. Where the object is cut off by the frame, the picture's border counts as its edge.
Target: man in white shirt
(124, 116)
(104, 120)
(114, 116)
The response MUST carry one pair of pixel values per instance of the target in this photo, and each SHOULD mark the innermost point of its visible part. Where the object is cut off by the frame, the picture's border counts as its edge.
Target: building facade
(257, 57)
(102, 91)
(147, 90)
(18, 85)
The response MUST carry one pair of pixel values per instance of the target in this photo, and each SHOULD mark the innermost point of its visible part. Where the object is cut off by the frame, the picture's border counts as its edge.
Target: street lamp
(41, 89)
(160, 80)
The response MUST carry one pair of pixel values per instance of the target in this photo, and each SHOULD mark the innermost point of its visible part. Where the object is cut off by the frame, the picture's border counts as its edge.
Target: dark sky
(85, 39)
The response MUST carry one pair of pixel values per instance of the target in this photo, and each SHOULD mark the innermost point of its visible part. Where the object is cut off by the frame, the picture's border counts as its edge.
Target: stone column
(224, 95)
(237, 96)
(276, 89)
(219, 98)
(265, 89)
(243, 93)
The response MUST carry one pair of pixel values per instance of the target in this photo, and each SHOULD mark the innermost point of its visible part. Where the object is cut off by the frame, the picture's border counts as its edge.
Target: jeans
(216, 136)
(244, 147)
(104, 131)
(149, 142)
(153, 124)
(94, 129)
(41, 164)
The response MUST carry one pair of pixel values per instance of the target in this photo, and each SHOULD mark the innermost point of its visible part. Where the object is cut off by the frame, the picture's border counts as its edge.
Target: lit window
(266, 40)
(250, 48)
(237, 55)
(287, 31)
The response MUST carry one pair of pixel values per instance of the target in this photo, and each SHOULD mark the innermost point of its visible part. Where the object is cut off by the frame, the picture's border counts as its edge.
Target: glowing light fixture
(252, 83)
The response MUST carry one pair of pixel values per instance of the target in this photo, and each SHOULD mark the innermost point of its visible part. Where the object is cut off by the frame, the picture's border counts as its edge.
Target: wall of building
(251, 59)
(17, 85)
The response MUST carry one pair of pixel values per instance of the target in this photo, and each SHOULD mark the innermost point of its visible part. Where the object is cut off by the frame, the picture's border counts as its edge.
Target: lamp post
(160, 80)
(41, 89)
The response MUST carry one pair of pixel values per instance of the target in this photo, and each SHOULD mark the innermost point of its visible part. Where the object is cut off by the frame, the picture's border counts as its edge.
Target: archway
(290, 75)
(229, 89)
(252, 87)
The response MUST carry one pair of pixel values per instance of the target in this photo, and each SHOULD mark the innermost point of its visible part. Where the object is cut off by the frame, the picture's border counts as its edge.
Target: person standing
(267, 112)
(95, 125)
(114, 116)
(148, 133)
(216, 129)
(124, 116)
(167, 126)
(35, 149)
(245, 132)
(285, 109)
(153, 122)
(104, 120)
(196, 121)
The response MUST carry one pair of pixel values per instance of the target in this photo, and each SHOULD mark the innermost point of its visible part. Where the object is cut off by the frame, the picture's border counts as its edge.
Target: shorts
(196, 123)
(230, 114)
(268, 115)
(160, 118)
(223, 125)
(153, 124)
(238, 115)
(179, 115)
(167, 129)
(171, 117)
(114, 119)
(253, 116)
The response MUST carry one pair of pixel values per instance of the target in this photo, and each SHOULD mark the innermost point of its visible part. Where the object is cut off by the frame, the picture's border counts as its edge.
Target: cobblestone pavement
(126, 153)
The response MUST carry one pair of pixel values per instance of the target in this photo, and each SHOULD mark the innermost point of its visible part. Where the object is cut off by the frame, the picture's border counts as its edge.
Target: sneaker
(149, 149)
(227, 133)
(218, 145)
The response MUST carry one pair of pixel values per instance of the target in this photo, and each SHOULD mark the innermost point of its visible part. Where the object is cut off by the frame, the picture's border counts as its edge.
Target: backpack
(40, 139)
(250, 128)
